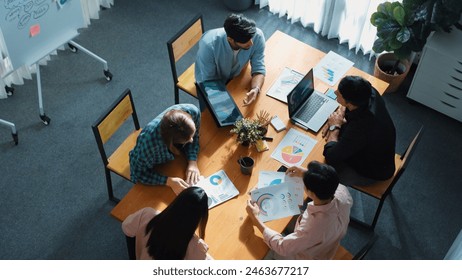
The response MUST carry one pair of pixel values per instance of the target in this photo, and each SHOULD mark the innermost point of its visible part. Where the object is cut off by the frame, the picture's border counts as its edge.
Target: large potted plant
(403, 28)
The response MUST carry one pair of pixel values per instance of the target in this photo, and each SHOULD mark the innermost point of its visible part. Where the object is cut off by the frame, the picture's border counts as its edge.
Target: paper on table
(219, 188)
(270, 178)
(331, 68)
(293, 148)
(285, 83)
(278, 201)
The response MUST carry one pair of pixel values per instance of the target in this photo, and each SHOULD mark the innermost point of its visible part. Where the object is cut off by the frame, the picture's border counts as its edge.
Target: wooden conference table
(229, 233)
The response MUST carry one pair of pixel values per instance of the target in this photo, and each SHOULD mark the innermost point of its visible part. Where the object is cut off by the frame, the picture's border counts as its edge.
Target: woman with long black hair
(170, 234)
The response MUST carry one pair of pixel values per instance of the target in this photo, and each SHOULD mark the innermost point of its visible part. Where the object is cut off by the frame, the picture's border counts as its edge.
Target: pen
(267, 138)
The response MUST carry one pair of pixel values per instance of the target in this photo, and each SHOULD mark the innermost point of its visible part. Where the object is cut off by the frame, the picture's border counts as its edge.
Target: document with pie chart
(278, 201)
(218, 187)
(294, 148)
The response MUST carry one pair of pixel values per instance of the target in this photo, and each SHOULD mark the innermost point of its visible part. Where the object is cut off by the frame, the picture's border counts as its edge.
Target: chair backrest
(110, 121)
(183, 41)
(406, 157)
(410, 149)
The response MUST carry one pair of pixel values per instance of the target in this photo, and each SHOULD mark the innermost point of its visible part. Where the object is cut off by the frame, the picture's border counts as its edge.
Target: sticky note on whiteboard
(34, 30)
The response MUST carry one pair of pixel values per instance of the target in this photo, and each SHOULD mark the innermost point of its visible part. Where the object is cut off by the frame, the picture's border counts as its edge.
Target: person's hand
(295, 171)
(177, 184)
(336, 118)
(252, 209)
(250, 96)
(192, 173)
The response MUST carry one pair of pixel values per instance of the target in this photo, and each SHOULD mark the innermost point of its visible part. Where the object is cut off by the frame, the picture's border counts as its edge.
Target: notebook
(308, 108)
(222, 106)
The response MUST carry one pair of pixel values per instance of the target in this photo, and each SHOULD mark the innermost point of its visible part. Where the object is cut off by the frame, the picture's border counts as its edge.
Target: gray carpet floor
(52, 187)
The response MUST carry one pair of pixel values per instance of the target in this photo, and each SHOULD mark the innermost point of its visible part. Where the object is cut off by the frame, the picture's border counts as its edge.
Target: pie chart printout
(294, 148)
(292, 154)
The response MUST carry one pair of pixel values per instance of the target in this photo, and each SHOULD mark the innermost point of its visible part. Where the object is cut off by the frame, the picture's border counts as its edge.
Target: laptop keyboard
(311, 107)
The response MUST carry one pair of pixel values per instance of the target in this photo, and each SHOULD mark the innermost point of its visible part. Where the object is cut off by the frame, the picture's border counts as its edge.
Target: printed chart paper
(271, 178)
(331, 68)
(218, 187)
(285, 83)
(293, 148)
(278, 201)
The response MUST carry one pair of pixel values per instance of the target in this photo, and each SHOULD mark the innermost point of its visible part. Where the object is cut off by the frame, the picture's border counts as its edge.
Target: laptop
(220, 103)
(309, 108)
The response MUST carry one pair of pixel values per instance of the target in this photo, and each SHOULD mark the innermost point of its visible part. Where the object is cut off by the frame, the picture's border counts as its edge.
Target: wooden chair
(105, 127)
(344, 254)
(382, 189)
(178, 46)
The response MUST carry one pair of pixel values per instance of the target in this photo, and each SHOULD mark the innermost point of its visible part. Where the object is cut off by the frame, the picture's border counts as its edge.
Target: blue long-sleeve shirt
(214, 58)
(150, 148)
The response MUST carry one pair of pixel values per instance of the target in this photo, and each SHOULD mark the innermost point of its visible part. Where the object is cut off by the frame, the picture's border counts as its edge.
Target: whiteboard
(32, 29)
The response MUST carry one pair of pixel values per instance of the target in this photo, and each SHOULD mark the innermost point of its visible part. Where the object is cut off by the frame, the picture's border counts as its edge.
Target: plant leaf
(388, 29)
(399, 15)
(403, 35)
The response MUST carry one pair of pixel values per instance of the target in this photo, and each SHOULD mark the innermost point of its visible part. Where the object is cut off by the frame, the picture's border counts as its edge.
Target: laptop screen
(300, 93)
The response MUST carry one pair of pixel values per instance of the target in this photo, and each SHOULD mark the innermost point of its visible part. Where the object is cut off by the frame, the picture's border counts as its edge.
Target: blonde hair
(176, 126)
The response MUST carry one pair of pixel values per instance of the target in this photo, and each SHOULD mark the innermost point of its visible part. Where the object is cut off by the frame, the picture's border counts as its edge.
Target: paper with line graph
(218, 187)
(285, 83)
(278, 201)
(331, 68)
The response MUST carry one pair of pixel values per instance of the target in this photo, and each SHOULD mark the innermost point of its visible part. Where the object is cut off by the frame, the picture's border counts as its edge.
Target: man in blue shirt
(224, 52)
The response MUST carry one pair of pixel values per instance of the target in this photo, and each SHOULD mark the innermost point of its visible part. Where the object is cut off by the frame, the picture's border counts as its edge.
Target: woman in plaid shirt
(173, 131)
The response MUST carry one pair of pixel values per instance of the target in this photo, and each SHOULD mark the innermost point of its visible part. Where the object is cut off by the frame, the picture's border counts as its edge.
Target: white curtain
(347, 20)
(90, 10)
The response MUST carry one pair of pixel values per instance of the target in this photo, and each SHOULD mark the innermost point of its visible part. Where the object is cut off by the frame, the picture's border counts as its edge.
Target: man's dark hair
(239, 28)
(355, 90)
(321, 179)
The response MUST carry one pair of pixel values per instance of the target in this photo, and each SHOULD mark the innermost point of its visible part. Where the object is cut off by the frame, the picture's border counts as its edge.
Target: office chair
(105, 127)
(178, 46)
(381, 190)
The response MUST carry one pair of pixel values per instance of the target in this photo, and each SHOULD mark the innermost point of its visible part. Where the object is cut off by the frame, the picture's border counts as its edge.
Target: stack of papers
(277, 195)
(218, 187)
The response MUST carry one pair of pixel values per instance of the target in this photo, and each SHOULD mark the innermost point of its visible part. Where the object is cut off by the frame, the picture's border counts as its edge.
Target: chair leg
(377, 213)
(131, 241)
(177, 95)
(109, 187)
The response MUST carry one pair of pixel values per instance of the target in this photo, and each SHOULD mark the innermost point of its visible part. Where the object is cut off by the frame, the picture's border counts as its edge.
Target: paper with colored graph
(218, 187)
(271, 178)
(278, 201)
(294, 148)
(285, 83)
(332, 68)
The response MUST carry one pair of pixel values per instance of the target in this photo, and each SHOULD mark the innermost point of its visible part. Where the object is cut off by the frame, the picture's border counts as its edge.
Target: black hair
(321, 179)
(239, 28)
(172, 229)
(355, 90)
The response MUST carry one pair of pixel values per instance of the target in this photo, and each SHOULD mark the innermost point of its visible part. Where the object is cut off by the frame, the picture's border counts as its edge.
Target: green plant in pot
(249, 131)
(403, 28)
